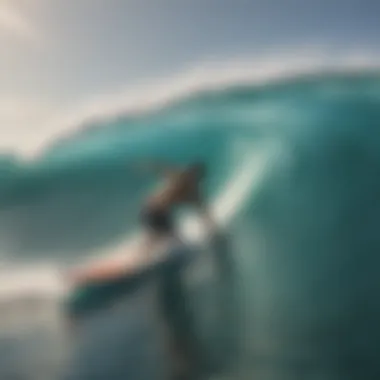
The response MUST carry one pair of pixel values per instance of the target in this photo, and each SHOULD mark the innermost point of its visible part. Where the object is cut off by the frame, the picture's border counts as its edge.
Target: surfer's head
(197, 169)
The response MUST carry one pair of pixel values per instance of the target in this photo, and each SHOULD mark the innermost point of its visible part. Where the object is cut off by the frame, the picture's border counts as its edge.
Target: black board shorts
(157, 221)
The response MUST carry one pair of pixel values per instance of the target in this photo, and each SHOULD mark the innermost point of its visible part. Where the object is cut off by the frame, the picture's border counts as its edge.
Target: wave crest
(211, 76)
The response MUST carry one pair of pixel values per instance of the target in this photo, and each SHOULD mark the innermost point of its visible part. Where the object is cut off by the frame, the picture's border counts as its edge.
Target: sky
(56, 55)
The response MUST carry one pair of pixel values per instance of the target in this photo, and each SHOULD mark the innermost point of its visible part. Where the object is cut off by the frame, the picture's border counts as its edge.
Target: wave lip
(146, 98)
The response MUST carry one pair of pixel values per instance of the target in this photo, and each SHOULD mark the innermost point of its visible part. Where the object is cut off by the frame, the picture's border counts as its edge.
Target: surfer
(181, 187)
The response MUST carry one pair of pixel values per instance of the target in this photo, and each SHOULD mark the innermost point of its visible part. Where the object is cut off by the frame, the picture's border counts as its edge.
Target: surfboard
(104, 279)
(136, 259)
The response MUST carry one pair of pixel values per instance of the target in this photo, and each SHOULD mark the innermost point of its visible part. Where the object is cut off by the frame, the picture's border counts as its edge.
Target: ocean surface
(306, 237)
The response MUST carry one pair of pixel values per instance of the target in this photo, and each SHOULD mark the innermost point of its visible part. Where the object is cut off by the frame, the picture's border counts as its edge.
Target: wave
(48, 279)
(304, 233)
(84, 194)
(32, 294)
(144, 98)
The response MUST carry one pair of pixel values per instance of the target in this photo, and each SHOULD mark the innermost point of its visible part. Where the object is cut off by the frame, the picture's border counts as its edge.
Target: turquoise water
(307, 241)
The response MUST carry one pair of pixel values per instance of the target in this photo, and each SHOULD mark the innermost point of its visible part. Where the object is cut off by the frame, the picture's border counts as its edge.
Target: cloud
(15, 23)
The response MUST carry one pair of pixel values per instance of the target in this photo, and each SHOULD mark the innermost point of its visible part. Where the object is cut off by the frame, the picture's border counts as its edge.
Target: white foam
(30, 297)
(41, 281)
